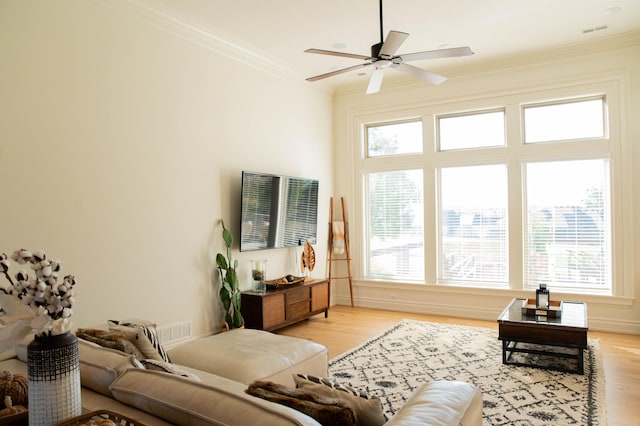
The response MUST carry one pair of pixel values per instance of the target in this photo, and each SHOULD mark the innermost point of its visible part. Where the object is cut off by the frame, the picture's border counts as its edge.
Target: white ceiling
(281, 30)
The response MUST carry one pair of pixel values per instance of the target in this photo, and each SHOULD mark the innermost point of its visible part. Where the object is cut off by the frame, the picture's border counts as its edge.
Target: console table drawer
(298, 309)
(298, 294)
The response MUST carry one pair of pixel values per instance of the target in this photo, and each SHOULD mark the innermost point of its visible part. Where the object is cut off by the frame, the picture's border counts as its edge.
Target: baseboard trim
(472, 312)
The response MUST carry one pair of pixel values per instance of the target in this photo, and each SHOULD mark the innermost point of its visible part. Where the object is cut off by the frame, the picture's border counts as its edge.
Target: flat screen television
(277, 211)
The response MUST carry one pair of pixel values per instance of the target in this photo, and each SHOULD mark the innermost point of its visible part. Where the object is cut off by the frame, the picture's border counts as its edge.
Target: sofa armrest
(442, 403)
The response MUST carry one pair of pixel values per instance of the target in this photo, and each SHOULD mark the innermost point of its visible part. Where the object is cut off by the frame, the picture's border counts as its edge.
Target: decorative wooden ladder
(347, 255)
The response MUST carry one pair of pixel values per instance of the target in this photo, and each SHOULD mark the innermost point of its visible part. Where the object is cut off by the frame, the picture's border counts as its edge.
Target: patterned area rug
(392, 365)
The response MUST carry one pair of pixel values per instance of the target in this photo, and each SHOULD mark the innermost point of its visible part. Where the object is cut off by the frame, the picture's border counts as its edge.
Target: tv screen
(277, 211)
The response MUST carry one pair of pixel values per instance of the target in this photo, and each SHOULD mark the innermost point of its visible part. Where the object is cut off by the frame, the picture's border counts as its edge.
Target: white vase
(54, 379)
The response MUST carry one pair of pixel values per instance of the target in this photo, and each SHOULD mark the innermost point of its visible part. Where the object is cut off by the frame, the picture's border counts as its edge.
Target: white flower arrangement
(36, 301)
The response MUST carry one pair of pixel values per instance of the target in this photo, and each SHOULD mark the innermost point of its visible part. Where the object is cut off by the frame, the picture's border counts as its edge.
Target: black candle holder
(543, 298)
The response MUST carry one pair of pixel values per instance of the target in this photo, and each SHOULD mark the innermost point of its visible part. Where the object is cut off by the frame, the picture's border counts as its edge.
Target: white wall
(616, 59)
(122, 143)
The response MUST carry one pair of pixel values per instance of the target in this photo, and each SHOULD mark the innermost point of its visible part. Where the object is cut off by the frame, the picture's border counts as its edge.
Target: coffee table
(563, 337)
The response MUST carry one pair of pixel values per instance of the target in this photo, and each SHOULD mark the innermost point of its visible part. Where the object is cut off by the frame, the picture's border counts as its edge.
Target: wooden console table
(274, 309)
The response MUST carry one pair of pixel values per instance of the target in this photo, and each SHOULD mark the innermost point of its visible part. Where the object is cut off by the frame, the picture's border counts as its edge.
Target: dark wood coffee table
(541, 335)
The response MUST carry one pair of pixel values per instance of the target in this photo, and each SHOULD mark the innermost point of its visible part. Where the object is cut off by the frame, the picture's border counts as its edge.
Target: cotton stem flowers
(39, 298)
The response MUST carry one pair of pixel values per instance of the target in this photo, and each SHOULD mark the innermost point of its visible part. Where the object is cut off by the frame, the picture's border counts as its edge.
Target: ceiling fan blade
(392, 43)
(375, 82)
(340, 71)
(332, 53)
(434, 54)
(429, 76)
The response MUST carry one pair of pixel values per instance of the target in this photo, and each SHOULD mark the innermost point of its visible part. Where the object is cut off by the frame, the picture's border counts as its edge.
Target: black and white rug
(392, 365)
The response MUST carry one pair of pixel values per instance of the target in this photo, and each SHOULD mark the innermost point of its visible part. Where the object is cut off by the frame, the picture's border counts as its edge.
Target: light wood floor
(347, 327)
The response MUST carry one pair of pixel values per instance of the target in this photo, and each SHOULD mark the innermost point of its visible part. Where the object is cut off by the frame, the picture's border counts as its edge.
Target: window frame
(611, 146)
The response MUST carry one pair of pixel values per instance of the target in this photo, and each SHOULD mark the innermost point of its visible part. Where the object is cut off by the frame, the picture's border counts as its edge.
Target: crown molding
(629, 41)
(180, 25)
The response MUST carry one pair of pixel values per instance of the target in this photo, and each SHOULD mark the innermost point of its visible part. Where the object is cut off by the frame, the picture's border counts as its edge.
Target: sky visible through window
(565, 121)
(563, 183)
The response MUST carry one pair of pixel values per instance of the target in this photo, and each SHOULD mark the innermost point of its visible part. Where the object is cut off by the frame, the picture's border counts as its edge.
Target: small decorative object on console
(530, 309)
(259, 274)
(286, 281)
(308, 258)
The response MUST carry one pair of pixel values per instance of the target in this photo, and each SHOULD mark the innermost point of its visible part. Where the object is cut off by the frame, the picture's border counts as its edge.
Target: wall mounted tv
(277, 211)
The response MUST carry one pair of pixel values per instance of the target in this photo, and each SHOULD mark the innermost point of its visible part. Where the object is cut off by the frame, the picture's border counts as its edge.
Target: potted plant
(229, 289)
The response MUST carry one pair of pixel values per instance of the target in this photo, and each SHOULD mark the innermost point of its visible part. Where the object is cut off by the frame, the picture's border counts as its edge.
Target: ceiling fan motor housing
(375, 50)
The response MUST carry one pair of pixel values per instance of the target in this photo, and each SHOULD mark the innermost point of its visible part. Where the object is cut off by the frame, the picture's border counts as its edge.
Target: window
(394, 139)
(473, 229)
(476, 130)
(567, 231)
(446, 214)
(395, 225)
(564, 121)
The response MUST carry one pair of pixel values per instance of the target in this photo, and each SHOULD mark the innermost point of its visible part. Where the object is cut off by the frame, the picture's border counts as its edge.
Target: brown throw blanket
(109, 339)
(326, 410)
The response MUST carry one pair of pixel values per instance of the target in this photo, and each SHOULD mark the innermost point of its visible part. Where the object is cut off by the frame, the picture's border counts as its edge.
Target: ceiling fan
(383, 56)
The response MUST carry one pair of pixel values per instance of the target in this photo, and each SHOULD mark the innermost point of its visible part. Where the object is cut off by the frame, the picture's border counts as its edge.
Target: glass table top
(574, 314)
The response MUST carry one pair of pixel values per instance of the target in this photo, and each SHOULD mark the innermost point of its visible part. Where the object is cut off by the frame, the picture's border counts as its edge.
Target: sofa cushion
(441, 403)
(327, 410)
(368, 410)
(214, 400)
(100, 366)
(246, 355)
(21, 348)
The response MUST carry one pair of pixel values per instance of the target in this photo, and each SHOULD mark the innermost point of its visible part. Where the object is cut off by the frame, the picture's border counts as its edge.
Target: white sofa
(225, 364)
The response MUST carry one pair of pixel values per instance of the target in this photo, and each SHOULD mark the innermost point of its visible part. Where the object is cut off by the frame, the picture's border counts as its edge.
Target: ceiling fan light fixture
(611, 11)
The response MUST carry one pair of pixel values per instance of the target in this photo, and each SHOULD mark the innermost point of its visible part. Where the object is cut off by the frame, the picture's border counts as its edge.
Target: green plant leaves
(229, 290)
(226, 235)
(221, 262)
(232, 278)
